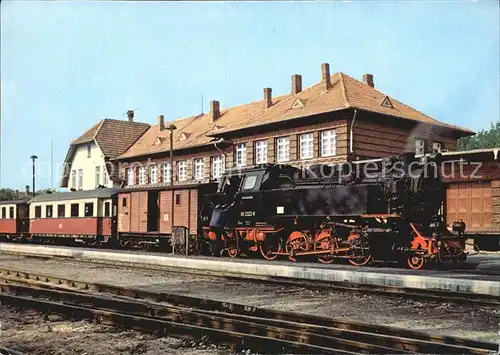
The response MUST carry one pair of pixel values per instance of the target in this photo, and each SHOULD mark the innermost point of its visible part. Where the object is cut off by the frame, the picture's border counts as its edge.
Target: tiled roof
(345, 92)
(113, 136)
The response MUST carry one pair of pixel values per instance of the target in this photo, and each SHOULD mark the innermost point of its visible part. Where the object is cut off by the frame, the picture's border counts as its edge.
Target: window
(142, 175)
(89, 209)
(153, 174)
(61, 211)
(104, 176)
(130, 176)
(261, 152)
(89, 150)
(241, 154)
(11, 212)
(436, 147)
(198, 169)
(48, 211)
(283, 149)
(73, 179)
(107, 209)
(217, 167)
(4, 212)
(124, 202)
(419, 146)
(177, 199)
(97, 176)
(328, 143)
(75, 210)
(167, 172)
(249, 182)
(38, 211)
(181, 170)
(306, 146)
(80, 179)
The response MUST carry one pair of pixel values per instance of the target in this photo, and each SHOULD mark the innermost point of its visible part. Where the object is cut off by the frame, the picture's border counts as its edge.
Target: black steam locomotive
(379, 210)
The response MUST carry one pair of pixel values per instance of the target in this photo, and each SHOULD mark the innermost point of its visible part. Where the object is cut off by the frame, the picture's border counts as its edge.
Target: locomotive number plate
(248, 214)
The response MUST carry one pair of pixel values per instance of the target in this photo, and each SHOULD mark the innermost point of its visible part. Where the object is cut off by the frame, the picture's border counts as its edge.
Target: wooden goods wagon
(14, 218)
(156, 212)
(89, 215)
(473, 194)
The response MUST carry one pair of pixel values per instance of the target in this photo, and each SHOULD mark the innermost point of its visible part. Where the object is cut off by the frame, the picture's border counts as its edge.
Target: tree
(487, 138)
(8, 194)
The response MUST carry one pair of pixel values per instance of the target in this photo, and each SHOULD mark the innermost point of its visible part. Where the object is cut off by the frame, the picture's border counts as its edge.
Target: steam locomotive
(381, 210)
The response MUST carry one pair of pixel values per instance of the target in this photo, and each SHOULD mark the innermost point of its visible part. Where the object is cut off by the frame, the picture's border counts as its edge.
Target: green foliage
(488, 138)
(8, 194)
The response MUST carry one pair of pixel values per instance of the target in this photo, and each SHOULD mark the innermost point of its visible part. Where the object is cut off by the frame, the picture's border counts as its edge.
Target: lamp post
(33, 158)
(171, 128)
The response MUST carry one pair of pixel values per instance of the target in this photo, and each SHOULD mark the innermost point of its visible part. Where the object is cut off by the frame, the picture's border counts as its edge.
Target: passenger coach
(14, 218)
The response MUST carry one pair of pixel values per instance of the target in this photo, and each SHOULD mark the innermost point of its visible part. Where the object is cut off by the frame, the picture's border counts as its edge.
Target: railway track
(247, 327)
(391, 291)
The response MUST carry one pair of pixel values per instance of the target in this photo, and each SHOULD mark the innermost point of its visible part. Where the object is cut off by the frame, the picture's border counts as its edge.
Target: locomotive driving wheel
(416, 261)
(233, 251)
(297, 241)
(360, 260)
(267, 249)
(324, 242)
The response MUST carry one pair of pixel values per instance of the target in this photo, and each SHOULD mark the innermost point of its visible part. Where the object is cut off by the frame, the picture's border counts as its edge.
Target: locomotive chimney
(130, 115)
(161, 122)
(296, 83)
(368, 80)
(268, 99)
(214, 110)
(325, 75)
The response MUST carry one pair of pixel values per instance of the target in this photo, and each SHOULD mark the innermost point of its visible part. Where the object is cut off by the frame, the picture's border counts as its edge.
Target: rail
(273, 331)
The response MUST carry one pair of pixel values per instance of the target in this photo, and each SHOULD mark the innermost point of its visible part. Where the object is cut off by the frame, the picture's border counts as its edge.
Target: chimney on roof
(268, 97)
(325, 75)
(214, 110)
(130, 115)
(27, 190)
(368, 80)
(296, 83)
(161, 122)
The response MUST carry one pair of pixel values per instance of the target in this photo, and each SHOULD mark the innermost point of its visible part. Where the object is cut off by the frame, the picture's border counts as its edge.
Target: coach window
(61, 211)
(48, 211)
(75, 210)
(89, 209)
(38, 211)
(11, 212)
(4, 212)
(177, 199)
(107, 209)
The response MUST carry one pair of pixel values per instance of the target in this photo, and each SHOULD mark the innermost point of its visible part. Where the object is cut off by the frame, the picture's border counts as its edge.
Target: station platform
(481, 275)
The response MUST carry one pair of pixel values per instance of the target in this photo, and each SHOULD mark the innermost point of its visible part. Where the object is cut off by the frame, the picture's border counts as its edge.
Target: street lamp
(33, 157)
(171, 128)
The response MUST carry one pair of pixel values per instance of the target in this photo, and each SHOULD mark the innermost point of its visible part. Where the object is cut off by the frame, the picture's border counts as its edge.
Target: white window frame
(142, 175)
(97, 176)
(241, 154)
(282, 149)
(130, 177)
(437, 147)
(153, 174)
(167, 172)
(306, 144)
(217, 166)
(104, 176)
(261, 152)
(73, 179)
(419, 147)
(198, 169)
(80, 179)
(328, 141)
(181, 170)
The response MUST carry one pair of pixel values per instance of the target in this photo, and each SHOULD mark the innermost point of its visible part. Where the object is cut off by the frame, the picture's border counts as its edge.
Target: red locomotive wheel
(416, 261)
(360, 260)
(233, 252)
(267, 251)
(297, 241)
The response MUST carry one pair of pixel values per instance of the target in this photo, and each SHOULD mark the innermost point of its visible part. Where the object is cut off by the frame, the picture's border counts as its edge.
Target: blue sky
(67, 65)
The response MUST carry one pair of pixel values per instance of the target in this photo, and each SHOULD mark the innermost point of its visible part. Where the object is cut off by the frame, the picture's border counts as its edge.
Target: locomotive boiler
(379, 210)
